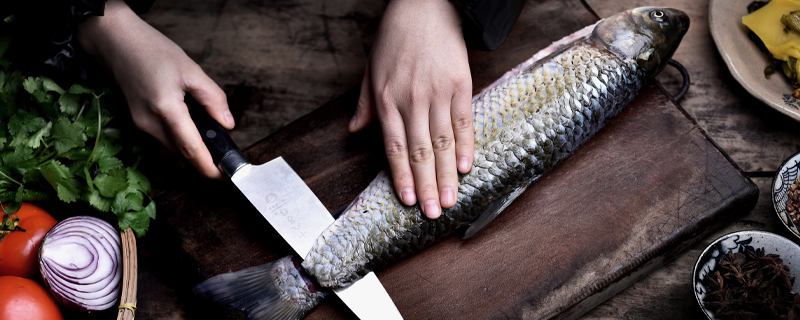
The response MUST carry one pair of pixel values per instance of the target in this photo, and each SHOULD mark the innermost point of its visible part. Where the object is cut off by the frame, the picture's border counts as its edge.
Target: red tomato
(24, 299)
(19, 250)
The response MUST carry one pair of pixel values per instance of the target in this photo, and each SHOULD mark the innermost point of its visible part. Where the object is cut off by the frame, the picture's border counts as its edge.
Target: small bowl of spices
(786, 193)
(748, 275)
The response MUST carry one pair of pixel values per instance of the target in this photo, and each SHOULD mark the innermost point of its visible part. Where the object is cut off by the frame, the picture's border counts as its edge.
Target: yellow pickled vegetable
(766, 23)
(780, 39)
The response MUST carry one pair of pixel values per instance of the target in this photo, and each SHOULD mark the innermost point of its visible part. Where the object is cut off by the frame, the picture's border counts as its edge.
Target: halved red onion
(81, 263)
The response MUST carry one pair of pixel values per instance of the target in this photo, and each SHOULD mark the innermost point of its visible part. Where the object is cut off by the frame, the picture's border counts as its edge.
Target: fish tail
(277, 290)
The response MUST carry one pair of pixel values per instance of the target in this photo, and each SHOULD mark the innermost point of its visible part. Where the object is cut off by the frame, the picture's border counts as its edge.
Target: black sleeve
(488, 22)
(43, 34)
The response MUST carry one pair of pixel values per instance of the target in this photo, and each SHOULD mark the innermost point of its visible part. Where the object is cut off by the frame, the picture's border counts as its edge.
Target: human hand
(154, 74)
(417, 82)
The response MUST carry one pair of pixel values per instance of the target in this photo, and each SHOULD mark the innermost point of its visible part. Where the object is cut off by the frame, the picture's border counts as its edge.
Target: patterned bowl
(787, 173)
(736, 242)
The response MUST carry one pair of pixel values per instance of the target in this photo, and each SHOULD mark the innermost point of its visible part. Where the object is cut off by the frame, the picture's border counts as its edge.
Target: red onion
(81, 262)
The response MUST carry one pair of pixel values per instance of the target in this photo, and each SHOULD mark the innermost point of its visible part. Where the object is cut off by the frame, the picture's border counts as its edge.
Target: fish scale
(535, 116)
(523, 127)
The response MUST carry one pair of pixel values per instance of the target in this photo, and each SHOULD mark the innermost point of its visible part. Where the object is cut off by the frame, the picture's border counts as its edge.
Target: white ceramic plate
(772, 243)
(787, 173)
(745, 61)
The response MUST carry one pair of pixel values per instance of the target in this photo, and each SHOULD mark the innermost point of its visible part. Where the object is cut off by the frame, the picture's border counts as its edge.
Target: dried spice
(751, 285)
(793, 203)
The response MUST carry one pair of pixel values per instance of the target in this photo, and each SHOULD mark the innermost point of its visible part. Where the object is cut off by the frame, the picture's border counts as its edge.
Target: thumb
(209, 95)
(365, 109)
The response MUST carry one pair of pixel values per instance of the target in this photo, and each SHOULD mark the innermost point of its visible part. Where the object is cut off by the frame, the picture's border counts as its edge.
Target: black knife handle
(223, 150)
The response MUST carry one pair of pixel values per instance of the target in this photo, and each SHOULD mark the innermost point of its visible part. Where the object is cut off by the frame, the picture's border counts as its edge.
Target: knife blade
(289, 205)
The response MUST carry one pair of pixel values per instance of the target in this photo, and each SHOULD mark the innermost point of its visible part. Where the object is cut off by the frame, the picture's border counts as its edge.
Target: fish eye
(658, 15)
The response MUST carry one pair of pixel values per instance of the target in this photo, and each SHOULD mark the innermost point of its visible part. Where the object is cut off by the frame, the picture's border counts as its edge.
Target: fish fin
(492, 211)
(275, 290)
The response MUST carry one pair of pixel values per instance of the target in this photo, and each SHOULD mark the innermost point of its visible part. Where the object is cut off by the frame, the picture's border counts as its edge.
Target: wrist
(97, 33)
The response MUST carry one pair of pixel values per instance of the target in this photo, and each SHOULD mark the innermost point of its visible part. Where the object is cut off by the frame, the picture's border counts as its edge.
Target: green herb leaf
(60, 177)
(109, 163)
(150, 210)
(69, 103)
(98, 201)
(138, 181)
(109, 184)
(135, 220)
(24, 122)
(67, 135)
(50, 85)
(19, 161)
(78, 89)
(127, 201)
(32, 84)
(69, 190)
(37, 137)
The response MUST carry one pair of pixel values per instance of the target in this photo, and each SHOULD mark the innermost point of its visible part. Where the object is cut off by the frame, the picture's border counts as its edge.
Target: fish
(525, 123)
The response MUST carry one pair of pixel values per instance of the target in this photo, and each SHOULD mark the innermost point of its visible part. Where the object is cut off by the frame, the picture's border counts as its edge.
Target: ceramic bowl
(772, 243)
(745, 62)
(787, 173)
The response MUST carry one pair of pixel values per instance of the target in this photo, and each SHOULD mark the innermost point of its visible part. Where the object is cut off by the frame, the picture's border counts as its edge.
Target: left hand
(418, 83)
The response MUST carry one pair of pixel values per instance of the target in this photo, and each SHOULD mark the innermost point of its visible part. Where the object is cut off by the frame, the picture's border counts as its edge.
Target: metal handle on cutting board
(223, 150)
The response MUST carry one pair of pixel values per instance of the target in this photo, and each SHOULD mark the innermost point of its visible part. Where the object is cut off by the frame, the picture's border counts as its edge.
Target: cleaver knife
(281, 196)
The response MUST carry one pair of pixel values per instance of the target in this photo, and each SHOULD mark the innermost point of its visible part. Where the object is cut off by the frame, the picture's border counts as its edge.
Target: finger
(463, 131)
(365, 109)
(422, 162)
(187, 141)
(152, 126)
(206, 92)
(444, 152)
(394, 140)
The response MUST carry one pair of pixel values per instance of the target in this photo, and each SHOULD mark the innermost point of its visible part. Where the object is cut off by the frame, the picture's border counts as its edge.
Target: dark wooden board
(647, 187)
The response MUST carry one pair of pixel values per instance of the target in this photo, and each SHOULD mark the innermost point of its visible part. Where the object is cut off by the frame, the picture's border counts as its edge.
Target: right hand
(155, 74)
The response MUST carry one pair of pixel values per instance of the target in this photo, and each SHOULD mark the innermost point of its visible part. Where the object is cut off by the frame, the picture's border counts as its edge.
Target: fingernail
(463, 164)
(229, 118)
(353, 122)
(408, 196)
(448, 196)
(431, 209)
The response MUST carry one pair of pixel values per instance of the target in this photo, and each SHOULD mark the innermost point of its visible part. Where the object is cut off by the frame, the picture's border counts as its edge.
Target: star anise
(793, 202)
(751, 285)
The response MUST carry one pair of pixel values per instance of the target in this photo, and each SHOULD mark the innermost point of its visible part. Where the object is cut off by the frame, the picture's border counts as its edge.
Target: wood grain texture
(639, 192)
(296, 54)
(756, 137)
(248, 46)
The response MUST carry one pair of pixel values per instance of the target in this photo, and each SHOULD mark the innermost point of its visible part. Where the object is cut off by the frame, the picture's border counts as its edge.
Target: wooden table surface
(279, 60)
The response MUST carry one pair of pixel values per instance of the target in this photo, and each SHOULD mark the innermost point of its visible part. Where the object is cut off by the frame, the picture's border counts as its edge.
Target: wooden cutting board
(646, 187)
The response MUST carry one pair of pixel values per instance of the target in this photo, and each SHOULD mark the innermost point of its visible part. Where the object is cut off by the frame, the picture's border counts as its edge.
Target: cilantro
(50, 85)
(98, 201)
(24, 122)
(69, 103)
(111, 183)
(33, 141)
(58, 143)
(78, 89)
(67, 135)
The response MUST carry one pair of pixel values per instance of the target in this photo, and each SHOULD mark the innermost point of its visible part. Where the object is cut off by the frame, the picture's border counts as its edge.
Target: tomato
(24, 299)
(19, 250)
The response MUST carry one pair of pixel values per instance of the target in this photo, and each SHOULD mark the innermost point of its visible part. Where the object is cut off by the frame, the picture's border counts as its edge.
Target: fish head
(646, 35)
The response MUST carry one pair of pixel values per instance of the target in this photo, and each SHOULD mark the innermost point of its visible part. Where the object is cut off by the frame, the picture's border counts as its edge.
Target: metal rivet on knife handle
(223, 150)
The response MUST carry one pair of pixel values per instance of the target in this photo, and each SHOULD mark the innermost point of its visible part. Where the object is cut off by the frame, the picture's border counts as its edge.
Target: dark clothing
(488, 22)
(44, 34)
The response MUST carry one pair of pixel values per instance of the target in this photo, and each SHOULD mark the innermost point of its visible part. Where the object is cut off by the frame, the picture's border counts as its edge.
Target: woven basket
(127, 303)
